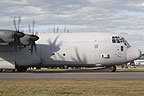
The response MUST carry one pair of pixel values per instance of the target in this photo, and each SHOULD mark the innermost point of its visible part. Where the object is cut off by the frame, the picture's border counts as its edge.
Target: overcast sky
(120, 16)
(77, 15)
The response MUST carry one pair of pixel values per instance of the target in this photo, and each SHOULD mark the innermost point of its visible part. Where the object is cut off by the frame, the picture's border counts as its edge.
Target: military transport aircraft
(11, 45)
(64, 50)
(84, 50)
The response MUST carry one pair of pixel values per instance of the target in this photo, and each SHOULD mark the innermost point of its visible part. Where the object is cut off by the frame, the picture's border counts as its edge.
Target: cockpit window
(118, 39)
(113, 40)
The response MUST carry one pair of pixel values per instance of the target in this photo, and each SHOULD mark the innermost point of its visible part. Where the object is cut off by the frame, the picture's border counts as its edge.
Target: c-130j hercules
(63, 50)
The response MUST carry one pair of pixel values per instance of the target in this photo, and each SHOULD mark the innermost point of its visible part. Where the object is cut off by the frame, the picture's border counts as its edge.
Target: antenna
(54, 30)
(64, 29)
(67, 30)
(57, 29)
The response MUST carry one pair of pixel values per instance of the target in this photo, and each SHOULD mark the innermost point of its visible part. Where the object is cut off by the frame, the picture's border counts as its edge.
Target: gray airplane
(63, 50)
(83, 50)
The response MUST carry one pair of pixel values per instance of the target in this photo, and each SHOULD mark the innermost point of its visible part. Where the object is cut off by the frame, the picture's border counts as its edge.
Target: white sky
(119, 16)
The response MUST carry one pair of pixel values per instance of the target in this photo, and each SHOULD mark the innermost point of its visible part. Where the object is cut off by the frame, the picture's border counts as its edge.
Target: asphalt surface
(74, 74)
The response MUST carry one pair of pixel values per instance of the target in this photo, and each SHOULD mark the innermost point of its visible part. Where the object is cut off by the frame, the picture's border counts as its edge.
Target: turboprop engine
(10, 36)
(29, 39)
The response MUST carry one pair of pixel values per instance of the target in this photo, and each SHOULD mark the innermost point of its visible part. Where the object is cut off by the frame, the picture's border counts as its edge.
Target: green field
(71, 87)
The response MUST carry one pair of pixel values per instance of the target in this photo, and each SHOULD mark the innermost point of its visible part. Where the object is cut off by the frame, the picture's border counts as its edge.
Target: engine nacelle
(25, 40)
(7, 35)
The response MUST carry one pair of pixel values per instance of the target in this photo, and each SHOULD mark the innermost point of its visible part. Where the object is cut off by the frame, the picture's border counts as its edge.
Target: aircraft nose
(132, 54)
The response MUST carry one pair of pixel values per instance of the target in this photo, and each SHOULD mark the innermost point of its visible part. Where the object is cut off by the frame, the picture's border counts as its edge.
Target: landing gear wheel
(13, 70)
(21, 69)
(111, 68)
(1, 70)
(10, 70)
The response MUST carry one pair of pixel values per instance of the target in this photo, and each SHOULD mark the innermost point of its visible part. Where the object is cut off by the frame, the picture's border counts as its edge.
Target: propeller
(17, 33)
(33, 37)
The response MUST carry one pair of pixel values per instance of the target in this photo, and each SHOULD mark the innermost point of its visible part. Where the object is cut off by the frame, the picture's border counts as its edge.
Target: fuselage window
(113, 40)
(64, 54)
(53, 53)
(125, 44)
(116, 39)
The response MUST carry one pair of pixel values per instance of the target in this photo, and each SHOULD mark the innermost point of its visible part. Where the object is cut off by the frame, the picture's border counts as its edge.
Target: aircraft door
(120, 53)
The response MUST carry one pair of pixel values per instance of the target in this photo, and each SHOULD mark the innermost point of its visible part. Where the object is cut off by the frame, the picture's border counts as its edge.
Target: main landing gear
(21, 69)
(111, 68)
(1, 70)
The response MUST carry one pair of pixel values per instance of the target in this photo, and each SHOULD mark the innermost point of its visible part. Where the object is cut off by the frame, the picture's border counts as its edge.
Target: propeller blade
(19, 23)
(29, 28)
(17, 34)
(33, 37)
(15, 24)
(33, 27)
(34, 44)
(17, 43)
(31, 47)
(36, 33)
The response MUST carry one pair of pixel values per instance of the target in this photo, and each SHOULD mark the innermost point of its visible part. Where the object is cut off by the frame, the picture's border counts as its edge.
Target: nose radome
(133, 53)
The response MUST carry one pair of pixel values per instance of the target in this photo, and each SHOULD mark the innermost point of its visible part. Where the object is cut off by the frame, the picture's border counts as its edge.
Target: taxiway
(119, 75)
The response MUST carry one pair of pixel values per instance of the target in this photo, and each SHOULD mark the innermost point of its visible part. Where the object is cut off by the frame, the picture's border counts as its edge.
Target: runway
(73, 74)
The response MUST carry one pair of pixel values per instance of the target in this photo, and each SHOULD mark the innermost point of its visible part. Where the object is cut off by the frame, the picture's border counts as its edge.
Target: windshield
(118, 39)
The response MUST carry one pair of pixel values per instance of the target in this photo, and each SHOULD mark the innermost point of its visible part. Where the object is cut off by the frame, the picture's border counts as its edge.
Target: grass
(71, 87)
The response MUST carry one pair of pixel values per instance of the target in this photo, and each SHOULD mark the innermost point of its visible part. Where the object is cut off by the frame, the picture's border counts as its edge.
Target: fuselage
(70, 50)
(84, 49)
(11, 58)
